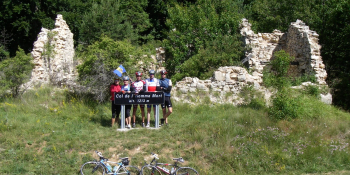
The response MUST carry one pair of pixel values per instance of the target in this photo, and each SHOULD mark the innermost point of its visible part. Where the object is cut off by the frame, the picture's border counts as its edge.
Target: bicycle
(102, 167)
(153, 168)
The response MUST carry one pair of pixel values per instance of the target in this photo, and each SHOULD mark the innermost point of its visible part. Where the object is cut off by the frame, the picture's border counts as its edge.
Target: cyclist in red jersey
(114, 88)
(139, 86)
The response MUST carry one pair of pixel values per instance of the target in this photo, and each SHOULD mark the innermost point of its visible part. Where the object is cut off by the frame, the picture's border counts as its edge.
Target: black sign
(141, 98)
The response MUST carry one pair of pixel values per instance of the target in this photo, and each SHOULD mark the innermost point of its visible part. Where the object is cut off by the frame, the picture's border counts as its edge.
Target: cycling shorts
(167, 103)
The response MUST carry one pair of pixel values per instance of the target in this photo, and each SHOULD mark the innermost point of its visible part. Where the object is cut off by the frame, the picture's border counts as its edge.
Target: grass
(54, 132)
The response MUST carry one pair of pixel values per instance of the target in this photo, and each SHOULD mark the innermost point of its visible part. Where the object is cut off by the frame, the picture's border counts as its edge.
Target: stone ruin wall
(224, 87)
(300, 42)
(227, 82)
(158, 60)
(59, 68)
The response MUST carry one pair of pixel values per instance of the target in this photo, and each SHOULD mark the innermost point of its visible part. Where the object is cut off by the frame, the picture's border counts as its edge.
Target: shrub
(15, 71)
(101, 58)
(276, 75)
(285, 105)
(312, 90)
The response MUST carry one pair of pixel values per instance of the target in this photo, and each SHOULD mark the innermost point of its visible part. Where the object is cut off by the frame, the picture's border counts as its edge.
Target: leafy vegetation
(54, 132)
(14, 72)
(203, 36)
(101, 59)
(198, 35)
(276, 74)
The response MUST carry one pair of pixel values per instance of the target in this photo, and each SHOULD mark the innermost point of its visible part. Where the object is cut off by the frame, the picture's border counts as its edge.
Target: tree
(118, 20)
(24, 19)
(99, 61)
(335, 40)
(205, 25)
(15, 71)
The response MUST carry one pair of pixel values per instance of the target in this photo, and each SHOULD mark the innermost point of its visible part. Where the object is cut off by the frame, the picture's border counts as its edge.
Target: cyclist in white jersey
(152, 84)
(139, 86)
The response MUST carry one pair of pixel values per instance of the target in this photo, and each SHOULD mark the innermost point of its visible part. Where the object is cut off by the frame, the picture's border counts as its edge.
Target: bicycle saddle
(180, 159)
(123, 158)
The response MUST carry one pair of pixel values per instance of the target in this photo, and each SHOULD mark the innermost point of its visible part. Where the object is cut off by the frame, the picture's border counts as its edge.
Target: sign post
(122, 118)
(156, 125)
(147, 98)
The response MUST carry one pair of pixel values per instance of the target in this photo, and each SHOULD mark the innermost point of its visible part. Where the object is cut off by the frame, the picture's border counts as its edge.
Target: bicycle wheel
(150, 170)
(186, 171)
(128, 170)
(92, 168)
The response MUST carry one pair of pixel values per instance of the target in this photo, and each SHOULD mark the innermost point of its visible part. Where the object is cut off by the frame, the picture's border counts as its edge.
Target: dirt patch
(42, 145)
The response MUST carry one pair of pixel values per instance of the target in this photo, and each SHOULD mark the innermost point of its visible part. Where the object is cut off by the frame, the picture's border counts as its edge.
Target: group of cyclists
(151, 84)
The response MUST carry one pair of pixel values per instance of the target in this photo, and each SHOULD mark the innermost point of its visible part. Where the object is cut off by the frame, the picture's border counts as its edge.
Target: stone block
(201, 86)
(219, 76)
(327, 99)
(241, 77)
(192, 89)
(184, 90)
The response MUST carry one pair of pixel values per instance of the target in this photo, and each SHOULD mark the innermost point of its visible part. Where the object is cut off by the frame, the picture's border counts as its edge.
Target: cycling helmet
(125, 78)
(163, 72)
(138, 74)
(152, 72)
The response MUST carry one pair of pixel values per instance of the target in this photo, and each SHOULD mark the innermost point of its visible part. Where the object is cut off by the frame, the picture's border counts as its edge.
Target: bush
(276, 75)
(14, 72)
(100, 59)
(313, 91)
(285, 105)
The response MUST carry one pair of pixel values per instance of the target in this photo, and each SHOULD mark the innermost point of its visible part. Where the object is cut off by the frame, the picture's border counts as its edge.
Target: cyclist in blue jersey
(165, 85)
(127, 89)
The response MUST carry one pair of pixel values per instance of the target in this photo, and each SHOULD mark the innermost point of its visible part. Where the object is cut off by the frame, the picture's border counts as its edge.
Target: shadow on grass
(105, 122)
(86, 98)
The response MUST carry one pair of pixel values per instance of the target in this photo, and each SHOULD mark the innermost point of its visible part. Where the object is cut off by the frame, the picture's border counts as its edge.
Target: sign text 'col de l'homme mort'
(141, 98)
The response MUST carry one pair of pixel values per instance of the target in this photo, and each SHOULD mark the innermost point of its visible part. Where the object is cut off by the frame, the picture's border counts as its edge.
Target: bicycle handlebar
(100, 155)
(155, 155)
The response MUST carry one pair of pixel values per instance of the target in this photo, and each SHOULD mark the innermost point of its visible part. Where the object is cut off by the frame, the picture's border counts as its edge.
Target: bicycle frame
(103, 162)
(156, 165)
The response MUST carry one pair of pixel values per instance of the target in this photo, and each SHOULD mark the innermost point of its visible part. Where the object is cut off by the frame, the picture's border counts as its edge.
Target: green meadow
(49, 131)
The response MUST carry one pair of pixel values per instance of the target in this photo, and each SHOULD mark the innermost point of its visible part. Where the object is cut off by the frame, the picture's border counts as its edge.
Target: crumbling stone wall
(300, 42)
(224, 87)
(227, 82)
(53, 54)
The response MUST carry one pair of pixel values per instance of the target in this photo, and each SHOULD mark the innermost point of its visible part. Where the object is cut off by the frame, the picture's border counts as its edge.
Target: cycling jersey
(151, 84)
(138, 85)
(166, 83)
(114, 88)
(125, 88)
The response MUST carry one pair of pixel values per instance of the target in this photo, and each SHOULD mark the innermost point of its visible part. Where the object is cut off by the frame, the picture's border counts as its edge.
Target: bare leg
(128, 120)
(113, 121)
(134, 113)
(142, 114)
(165, 115)
(148, 115)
